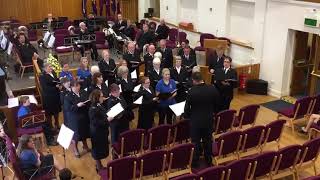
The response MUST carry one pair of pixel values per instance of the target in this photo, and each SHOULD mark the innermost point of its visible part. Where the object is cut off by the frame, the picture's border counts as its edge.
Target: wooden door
(129, 9)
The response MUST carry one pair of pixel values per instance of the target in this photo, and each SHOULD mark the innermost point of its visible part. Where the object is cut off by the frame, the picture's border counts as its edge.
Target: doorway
(304, 58)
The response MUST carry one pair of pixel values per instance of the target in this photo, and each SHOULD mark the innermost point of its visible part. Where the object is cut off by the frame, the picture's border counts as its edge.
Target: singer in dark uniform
(148, 58)
(107, 67)
(98, 83)
(149, 102)
(77, 115)
(188, 60)
(155, 74)
(215, 60)
(120, 123)
(201, 104)
(132, 57)
(50, 94)
(181, 76)
(162, 31)
(126, 83)
(146, 37)
(99, 128)
(83, 32)
(167, 57)
(119, 25)
(226, 81)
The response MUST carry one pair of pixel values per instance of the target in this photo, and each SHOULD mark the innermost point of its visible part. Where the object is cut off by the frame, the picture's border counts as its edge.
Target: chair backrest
(61, 31)
(274, 130)
(152, 163)
(224, 120)
(253, 137)
(153, 24)
(32, 35)
(229, 142)
(248, 114)
(302, 106)
(159, 136)
(187, 177)
(100, 37)
(240, 169)
(316, 105)
(310, 150)
(204, 36)
(59, 41)
(181, 131)
(266, 163)
(216, 172)
(32, 119)
(288, 157)
(173, 33)
(180, 156)
(124, 168)
(132, 141)
(66, 24)
(182, 37)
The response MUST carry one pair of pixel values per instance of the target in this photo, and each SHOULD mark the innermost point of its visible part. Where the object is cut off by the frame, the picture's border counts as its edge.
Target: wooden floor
(85, 166)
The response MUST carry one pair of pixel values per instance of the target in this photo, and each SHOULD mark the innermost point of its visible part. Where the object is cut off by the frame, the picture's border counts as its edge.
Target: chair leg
(22, 72)
(315, 168)
(292, 126)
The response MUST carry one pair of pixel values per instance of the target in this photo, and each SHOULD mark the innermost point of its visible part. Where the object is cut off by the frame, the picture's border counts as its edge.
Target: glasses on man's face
(227, 61)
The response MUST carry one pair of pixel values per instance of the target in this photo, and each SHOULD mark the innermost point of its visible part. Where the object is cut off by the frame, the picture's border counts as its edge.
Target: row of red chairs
(302, 108)
(236, 142)
(136, 141)
(291, 159)
(227, 120)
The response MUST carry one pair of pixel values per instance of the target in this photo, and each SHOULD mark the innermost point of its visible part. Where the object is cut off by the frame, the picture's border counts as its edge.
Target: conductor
(201, 104)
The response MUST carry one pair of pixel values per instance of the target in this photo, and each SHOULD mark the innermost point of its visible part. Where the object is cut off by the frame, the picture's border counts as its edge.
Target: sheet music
(134, 74)
(9, 48)
(178, 108)
(4, 42)
(13, 102)
(136, 89)
(65, 136)
(63, 47)
(51, 41)
(46, 36)
(120, 88)
(106, 82)
(115, 110)
(139, 100)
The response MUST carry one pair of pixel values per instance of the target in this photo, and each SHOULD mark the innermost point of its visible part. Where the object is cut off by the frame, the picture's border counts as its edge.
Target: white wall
(281, 18)
(241, 20)
(188, 12)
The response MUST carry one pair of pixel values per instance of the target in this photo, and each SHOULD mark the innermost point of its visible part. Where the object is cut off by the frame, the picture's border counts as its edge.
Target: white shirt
(226, 70)
(148, 90)
(158, 71)
(178, 69)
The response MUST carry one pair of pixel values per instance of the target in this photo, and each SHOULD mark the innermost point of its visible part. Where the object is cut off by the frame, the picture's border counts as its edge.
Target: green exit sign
(310, 22)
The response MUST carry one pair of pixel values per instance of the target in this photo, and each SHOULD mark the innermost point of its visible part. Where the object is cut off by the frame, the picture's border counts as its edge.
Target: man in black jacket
(84, 32)
(146, 37)
(226, 80)
(132, 57)
(119, 25)
(162, 30)
(216, 59)
(107, 67)
(188, 60)
(167, 57)
(201, 104)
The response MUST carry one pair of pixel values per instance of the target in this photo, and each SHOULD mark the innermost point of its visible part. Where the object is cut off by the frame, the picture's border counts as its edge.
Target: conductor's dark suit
(181, 78)
(215, 63)
(201, 104)
(226, 91)
(167, 57)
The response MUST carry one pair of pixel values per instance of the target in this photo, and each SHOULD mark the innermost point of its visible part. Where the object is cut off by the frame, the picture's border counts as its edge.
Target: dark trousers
(118, 126)
(94, 52)
(206, 135)
(225, 102)
(165, 113)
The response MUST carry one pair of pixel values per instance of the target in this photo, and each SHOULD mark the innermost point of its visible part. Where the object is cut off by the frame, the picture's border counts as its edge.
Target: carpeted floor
(277, 105)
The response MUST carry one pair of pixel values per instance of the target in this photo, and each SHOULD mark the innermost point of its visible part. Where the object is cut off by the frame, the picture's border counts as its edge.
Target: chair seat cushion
(29, 131)
(287, 112)
(64, 50)
(199, 48)
(215, 150)
(102, 46)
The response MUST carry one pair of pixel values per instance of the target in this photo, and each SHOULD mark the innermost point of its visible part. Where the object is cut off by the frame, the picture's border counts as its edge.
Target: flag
(84, 8)
(118, 7)
(108, 13)
(94, 7)
(114, 6)
(101, 4)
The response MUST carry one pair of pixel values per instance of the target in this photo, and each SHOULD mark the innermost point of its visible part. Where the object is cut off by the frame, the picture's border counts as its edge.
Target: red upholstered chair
(23, 65)
(130, 142)
(310, 153)
(58, 46)
(204, 36)
(273, 132)
(120, 169)
(182, 37)
(32, 35)
(253, 138)
(159, 137)
(241, 169)
(247, 115)
(66, 24)
(224, 121)
(64, 32)
(180, 160)
(171, 42)
(265, 164)
(299, 110)
(100, 40)
(216, 172)
(152, 163)
(181, 131)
